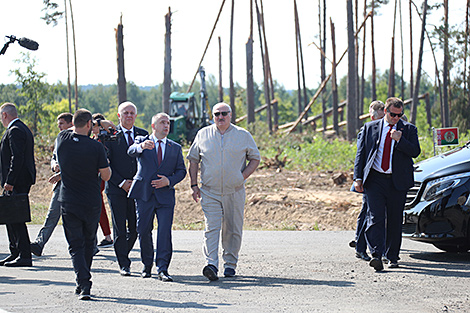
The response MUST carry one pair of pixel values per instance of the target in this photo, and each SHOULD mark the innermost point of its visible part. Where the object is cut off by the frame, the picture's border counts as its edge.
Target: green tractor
(186, 116)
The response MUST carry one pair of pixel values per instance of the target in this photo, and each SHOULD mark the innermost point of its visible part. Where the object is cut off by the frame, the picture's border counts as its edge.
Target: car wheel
(452, 248)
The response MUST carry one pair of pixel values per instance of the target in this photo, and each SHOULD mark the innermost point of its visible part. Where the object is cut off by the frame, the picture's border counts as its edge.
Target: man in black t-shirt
(83, 165)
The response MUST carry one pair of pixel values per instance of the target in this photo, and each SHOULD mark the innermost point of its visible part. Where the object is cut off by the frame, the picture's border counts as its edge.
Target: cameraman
(104, 221)
(83, 164)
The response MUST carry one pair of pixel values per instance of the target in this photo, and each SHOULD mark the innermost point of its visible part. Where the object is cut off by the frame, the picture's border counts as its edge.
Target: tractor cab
(185, 116)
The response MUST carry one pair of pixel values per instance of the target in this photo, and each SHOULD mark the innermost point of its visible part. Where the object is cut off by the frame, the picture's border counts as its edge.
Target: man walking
(83, 165)
(376, 111)
(123, 169)
(64, 121)
(18, 174)
(161, 167)
(383, 169)
(223, 150)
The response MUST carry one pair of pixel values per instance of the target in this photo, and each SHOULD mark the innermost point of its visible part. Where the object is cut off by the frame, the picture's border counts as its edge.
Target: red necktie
(386, 155)
(159, 152)
(130, 141)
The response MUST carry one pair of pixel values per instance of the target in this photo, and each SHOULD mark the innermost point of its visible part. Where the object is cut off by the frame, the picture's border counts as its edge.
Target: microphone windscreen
(28, 43)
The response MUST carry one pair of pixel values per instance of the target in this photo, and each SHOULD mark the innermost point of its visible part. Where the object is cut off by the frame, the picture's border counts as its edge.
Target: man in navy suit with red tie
(160, 166)
(383, 170)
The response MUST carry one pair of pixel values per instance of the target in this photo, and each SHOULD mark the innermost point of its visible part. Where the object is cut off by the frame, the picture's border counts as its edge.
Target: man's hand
(159, 183)
(55, 178)
(56, 168)
(196, 193)
(395, 134)
(147, 144)
(8, 187)
(127, 185)
(358, 186)
(107, 124)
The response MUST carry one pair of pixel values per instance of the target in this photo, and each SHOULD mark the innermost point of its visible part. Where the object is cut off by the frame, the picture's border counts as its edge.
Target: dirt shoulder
(276, 200)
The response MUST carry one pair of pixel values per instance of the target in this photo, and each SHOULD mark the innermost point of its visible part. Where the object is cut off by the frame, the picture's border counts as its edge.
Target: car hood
(449, 163)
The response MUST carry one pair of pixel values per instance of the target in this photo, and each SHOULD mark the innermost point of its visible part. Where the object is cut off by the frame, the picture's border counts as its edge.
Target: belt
(379, 174)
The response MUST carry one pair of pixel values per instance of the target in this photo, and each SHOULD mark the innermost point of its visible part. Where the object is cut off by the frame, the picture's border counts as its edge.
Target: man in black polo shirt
(82, 163)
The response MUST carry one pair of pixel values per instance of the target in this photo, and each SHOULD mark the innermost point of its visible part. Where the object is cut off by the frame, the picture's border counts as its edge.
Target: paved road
(278, 272)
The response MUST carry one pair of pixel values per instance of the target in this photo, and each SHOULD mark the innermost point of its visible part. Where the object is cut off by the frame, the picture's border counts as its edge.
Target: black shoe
(146, 272)
(229, 272)
(164, 276)
(36, 249)
(377, 264)
(8, 259)
(78, 290)
(125, 271)
(105, 243)
(84, 295)
(20, 263)
(210, 272)
(352, 243)
(393, 264)
(363, 255)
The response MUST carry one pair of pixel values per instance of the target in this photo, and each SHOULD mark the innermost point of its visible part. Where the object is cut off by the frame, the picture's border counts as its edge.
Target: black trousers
(124, 227)
(18, 235)
(384, 216)
(80, 227)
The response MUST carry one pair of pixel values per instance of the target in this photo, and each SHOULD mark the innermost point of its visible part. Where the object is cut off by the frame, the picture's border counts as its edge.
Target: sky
(192, 22)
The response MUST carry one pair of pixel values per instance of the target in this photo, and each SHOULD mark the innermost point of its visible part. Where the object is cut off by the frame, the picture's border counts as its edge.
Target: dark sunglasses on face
(223, 113)
(395, 114)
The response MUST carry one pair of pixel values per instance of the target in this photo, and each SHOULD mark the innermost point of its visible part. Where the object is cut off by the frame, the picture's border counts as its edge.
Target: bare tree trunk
(74, 55)
(221, 89)
(445, 102)
(356, 61)
(262, 39)
(402, 80)
(362, 81)
(391, 77)
(372, 44)
(232, 89)
(411, 50)
(467, 34)
(167, 69)
(304, 88)
(352, 76)
(297, 48)
(69, 92)
(250, 91)
(414, 105)
(334, 88)
(121, 79)
(322, 34)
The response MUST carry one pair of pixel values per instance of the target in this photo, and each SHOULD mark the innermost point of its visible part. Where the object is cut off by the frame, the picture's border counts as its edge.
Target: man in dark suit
(160, 168)
(18, 175)
(383, 170)
(123, 170)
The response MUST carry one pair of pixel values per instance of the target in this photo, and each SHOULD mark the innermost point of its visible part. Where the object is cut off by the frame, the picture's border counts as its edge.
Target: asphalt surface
(308, 271)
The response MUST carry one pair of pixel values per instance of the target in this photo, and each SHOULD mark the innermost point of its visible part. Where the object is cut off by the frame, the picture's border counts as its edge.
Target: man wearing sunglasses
(383, 170)
(223, 150)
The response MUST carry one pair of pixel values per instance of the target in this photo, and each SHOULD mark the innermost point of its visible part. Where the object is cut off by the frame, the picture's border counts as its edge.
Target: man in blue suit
(160, 166)
(123, 169)
(383, 170)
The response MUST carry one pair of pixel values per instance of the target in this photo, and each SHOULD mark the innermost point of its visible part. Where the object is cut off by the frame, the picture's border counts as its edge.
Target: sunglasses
(395, 114)
(225, 113)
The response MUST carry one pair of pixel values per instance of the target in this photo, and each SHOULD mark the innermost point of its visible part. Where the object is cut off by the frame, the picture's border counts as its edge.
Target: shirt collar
(12, 122)
(156, 140)
(125, 130)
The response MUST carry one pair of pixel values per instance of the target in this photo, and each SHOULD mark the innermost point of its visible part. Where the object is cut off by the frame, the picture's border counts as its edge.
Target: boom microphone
(28, 43)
